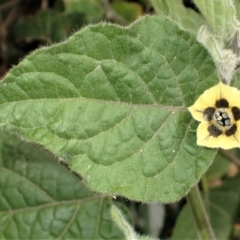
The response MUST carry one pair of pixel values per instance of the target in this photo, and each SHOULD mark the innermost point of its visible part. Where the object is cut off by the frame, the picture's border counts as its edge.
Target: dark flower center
(214, 131)
(236, 113)
(222, 118)
(208, 113)
(222, 103)
(232, 130)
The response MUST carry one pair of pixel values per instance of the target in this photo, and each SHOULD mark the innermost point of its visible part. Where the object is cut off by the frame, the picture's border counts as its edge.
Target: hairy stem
(195, 202)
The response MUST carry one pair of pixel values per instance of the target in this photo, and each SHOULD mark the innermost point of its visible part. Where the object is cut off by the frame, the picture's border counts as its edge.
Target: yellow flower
(218, 110)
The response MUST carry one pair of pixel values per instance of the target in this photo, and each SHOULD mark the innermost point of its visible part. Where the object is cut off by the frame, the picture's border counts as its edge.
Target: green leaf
(186, 18)
(112, 102)
(237, 6)
(236, 82)
(41, 199)
(225, 60)
(221, 16)
(222, 207)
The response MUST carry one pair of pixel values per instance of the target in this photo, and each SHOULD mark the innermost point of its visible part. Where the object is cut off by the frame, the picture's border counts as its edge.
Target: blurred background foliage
(26, 25)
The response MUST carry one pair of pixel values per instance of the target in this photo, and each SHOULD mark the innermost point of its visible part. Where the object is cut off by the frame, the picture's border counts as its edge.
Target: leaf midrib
(132, 105)
(52, 204)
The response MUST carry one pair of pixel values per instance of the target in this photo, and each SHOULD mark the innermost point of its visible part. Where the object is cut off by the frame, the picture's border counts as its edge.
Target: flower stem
(195, 202)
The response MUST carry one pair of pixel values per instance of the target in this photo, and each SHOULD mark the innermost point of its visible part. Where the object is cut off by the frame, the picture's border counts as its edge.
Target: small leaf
(186, 18)
(221, 16)
(41, 199)
(112, 102)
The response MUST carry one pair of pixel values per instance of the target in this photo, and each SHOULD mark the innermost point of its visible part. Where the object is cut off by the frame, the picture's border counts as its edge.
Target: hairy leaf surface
(112, 102)
(41, 199)
(221, 16)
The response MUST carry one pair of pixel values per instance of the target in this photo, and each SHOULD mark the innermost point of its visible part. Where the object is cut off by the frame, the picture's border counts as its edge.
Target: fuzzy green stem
(204, 185)
(195, 202)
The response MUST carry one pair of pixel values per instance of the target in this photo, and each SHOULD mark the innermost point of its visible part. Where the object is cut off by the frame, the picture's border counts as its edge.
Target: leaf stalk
(203, 225)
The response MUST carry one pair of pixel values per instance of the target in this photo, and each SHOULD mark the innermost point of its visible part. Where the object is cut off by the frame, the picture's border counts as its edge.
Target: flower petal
(204, 138)
(222, 141)
(220, 91)
(207, 99)
(197, 110)
(231, 94)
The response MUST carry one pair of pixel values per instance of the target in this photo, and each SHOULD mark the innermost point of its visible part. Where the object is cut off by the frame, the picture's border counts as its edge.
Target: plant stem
(199, 213)
(204, 185)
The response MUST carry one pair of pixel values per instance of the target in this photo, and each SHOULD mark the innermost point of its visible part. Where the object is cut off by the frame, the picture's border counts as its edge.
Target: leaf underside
(221, 16)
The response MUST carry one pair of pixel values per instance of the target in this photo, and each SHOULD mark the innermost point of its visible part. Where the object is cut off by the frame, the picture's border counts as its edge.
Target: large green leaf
(112, 103)
(41, 199)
